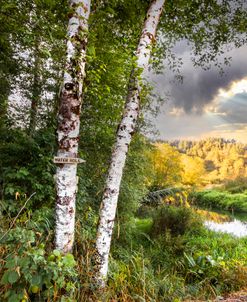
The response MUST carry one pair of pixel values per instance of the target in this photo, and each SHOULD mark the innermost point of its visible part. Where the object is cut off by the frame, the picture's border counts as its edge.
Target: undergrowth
(168, 256)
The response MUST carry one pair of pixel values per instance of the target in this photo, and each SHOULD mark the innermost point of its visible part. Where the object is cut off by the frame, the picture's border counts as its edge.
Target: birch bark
(124, 135)
(69, 123)
(36, 89)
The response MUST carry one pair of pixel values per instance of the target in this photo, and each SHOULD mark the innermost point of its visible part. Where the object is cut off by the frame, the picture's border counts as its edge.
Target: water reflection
(223, 221)
(213, 216)
(235, 227)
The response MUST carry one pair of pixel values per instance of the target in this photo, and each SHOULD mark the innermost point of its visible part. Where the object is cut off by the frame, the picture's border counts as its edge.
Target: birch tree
(36, 89)
(69, 123)
(124, 134)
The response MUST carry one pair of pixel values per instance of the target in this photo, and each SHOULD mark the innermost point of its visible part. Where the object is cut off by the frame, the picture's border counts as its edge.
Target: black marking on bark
(71, 210)
(107, 192)
(65, 107)
(76, 109)
(69, 86)
(66, 200)
(110, 220)
(123, 127)
(70, 15)
(64, 143)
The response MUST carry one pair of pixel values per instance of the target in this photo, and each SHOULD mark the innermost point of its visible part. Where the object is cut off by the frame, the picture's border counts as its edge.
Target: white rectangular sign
(68, 160)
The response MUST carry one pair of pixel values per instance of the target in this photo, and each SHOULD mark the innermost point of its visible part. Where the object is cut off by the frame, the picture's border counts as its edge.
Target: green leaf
(91, 50)
(13, 277)
(34, 289)
(69, 260)
(11, 263)
(13, 298)
(56, 253)
(4, 279)
(36, 280)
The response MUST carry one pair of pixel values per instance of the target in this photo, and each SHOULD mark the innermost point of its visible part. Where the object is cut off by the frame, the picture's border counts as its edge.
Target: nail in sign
(68, 160)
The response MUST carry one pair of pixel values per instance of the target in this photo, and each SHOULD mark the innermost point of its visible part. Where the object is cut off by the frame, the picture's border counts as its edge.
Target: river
(226, 222)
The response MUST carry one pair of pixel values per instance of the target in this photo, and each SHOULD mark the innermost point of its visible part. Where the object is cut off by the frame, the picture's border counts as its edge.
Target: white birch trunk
(69, 123)
(36, 89)
(124, 134)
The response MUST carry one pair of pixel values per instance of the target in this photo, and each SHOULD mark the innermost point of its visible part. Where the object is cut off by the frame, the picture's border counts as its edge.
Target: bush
(176, 267)
(28, 272)
(26, 167)
(176, 220)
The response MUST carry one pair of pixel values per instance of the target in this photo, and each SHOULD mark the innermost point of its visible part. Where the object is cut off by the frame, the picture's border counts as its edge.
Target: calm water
(232, 224)
(235, 227)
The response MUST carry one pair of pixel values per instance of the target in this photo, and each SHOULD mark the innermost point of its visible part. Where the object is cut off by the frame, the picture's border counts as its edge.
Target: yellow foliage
(166, 166)
(193, 170)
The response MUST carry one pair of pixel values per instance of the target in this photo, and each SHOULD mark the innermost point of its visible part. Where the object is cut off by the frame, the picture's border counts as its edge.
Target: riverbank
(170, 256)
(221, 200)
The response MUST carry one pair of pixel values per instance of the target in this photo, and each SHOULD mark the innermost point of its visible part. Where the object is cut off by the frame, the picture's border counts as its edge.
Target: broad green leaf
(13, 277)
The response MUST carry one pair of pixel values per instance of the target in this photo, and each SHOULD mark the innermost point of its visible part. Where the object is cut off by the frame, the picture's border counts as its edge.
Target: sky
(206, 104)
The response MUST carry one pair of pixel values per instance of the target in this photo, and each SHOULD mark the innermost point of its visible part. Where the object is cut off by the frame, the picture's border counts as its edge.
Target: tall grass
(168, 256)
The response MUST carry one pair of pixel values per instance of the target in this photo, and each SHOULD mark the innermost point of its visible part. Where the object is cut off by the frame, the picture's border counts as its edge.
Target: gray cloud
(197, 91)
(235, 109)
(199, 86)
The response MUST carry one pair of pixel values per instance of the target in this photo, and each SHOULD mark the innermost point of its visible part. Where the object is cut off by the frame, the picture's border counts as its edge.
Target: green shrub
(175, 268)
(26, 167)
(29, 272)
(176, 220)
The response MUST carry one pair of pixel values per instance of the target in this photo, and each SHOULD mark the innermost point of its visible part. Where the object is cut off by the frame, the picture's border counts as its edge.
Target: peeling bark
(124, 135)
(69, 123)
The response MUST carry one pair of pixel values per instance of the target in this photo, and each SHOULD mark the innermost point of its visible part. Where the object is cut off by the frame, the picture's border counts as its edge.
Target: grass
(222, 200)
(151, 260)
(194, 263)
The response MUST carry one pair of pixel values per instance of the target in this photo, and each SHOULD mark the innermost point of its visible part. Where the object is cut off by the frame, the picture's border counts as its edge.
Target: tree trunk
(36, 89)
(124, 134)
(69, 123)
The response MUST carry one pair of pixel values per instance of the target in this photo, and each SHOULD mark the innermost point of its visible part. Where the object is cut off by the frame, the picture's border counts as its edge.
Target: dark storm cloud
(199, 87)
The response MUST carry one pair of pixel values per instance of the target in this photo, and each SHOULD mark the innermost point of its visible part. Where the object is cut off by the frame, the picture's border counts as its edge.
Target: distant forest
(213, 160)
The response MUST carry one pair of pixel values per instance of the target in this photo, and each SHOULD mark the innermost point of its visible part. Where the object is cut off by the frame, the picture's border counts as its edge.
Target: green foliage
(110, 61)
(176, 220)
(26, 167)
(134, 279)
(134, 183)
(218, 259)
(29, 272)
(195, 264)
(208, 26)
(221, 200)
(32, 59)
